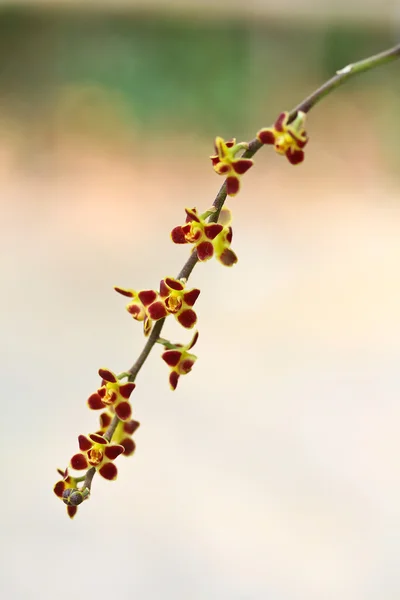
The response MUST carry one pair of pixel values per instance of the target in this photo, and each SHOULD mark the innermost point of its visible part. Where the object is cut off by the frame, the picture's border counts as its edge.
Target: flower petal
(107, 375)
(126, 389)
(232, 185)
(295, 157)
(211, 230)
(98, 439)
(84, 443)
(178, 235)
(129, 446)
(241, 165)
(113, 450)
(95, 402)
(191, 296)
(187, 318)
(172, 357)
(173, 379)
(147, 297)
(266, 136)
(123, 410)
(124, 292)
(109, 471)
(205, 251)
(79, 462)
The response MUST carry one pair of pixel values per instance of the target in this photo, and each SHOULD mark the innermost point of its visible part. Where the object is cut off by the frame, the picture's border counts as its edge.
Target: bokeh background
(273, 470)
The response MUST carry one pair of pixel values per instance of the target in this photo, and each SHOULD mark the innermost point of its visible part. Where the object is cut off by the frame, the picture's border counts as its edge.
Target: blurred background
(273, 470)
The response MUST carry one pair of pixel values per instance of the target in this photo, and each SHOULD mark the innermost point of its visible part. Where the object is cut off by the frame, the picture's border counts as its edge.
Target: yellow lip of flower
(288, 138)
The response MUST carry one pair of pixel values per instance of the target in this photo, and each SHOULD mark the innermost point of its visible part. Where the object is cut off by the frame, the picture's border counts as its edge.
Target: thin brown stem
(305, 106)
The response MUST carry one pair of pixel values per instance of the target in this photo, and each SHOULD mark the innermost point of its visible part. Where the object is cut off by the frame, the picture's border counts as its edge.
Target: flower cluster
(210, 234)
(172, 299)
(225, 163)
(208, 239)
(288, 138)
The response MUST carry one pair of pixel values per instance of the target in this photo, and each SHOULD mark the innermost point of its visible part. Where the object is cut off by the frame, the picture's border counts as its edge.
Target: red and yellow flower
(209, 239)
(180, 360)
(178, 301)
(288, 138)
(99, 453)
(225, 163)
(137, 307)
(113, 393)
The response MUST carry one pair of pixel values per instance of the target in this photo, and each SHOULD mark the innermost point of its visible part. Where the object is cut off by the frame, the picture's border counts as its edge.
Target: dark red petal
(224, 168)
(173, 379)
(105, 420)
(214, 159)
(172, 357)
(192, 215)
(146, 297)
(63, 473)
(126, 389)
(127, 293)
(281, 121)
(113, 451)
(178, 235)
(242, 165)
(164, 291)
(102, 392)
(194, 340)
(232, 186)
(211, 230)
(98, 439)
(187, 318)
(123, 410)
(79, 462)
(266, 136)
(95, 402)
(228, 257)
(295, 156)
(84, 443)
(129, 446)
(174, 284)
(230, 143)
(205, 251)
(131, 426)
(59, 488)
(191, 296)
(157, 310)
(134, 310)
(109, 471)
(107, 375)
(229, 235)
(71, 510)
(186, 365)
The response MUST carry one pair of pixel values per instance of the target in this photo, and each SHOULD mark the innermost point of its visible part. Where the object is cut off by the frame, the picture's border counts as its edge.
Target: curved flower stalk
(210, 234)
